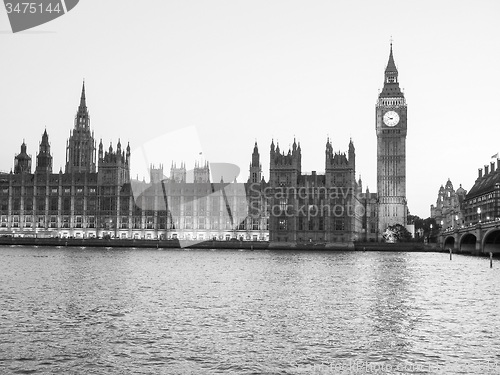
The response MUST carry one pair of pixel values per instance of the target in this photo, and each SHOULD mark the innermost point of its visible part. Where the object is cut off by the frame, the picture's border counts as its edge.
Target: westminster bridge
(475, 238)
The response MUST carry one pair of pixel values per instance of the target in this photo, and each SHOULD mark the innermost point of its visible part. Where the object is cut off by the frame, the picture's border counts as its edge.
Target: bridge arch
(491, 241)
(449, 243)
(468, 243)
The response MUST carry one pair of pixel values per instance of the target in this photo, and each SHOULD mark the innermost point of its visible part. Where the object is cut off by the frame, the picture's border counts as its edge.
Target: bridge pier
(479, 239)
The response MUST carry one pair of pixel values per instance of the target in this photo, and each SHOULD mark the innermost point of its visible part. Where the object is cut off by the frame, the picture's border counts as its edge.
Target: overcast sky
(218, 75)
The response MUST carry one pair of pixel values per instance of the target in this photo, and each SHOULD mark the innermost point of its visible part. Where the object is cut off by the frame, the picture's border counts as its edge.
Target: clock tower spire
(391, 128)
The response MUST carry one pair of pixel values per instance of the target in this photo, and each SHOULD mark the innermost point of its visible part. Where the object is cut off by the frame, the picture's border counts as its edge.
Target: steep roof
(484, 184)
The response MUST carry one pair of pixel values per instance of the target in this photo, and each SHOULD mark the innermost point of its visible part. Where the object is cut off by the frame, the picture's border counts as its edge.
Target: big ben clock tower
(391, 150)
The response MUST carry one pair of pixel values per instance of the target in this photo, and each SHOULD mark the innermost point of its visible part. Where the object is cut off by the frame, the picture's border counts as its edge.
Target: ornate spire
(82, 119)
(391, 84)
(83, 103)
(391, 66)
(45, 137)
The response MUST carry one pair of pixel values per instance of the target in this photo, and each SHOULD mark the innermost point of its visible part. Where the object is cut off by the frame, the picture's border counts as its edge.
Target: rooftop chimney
(486, 167)
(479, 173)
(492, 166)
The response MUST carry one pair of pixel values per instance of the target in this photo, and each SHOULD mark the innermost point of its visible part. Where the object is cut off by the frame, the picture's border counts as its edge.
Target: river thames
(140, 311)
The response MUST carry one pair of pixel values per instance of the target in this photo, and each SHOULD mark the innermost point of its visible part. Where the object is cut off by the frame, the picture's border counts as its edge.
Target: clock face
(391, 118)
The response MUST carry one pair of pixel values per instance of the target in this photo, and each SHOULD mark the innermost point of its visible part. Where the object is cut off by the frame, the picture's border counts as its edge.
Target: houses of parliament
(95, 196)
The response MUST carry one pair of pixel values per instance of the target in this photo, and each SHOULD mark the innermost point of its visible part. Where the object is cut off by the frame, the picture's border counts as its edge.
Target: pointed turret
(101, 152)
(44, 158)
(352, 154)
(351, 148)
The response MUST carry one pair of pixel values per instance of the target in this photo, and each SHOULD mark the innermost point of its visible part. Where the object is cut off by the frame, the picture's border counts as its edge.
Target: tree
(413, 219)
(397, 233)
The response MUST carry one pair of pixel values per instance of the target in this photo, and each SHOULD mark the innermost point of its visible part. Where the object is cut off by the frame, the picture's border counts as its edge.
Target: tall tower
(80, 149)
(156, 174)
(201, 172)
(255, 167)
(391, 129)
(178, 174)
(44, 158)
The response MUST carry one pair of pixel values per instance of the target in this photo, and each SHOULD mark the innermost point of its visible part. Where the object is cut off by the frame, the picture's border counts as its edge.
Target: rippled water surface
(136, 311)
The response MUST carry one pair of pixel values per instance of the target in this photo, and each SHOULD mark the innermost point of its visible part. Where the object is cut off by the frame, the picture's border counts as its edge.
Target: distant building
(449, 209)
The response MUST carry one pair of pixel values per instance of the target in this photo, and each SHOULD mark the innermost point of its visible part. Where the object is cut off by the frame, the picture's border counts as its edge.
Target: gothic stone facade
(448, 211)
(95, 196)
(316, 208)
